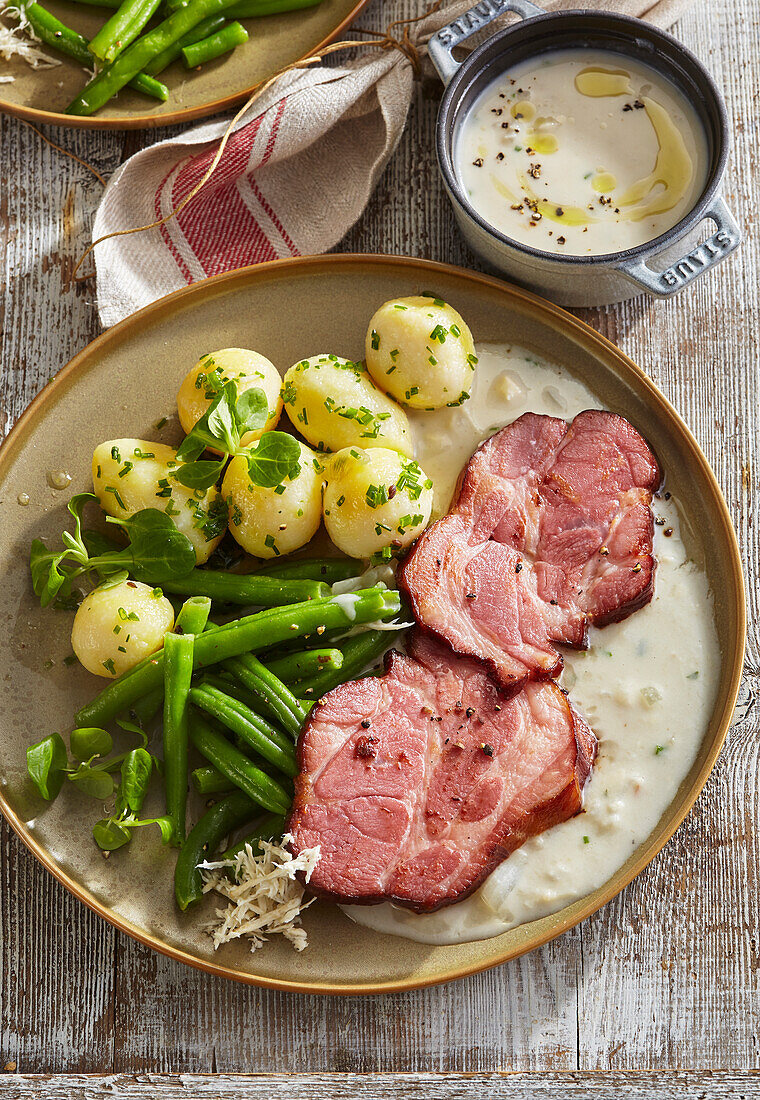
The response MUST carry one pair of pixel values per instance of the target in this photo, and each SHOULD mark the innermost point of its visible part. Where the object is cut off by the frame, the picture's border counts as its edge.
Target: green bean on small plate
(232, 46)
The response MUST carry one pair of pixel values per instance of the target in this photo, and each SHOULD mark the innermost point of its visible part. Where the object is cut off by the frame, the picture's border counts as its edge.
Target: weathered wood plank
(56, 958)
(708, 1085)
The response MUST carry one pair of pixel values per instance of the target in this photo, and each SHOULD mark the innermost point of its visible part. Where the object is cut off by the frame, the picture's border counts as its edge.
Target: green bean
(268, 828)
(329, 570)
(122, 28)
(162, 60)
(232, 687)
(203, 840)
(246, 588)
(227, 684)
(239, 718)
(309, 662)
(193, 615)
(59, 37)
(146, 709)
(249, 634)
(178, 671)
(278, 700)
(358, 652)
(208, 49)
(328, 639)
(191, 619)
(259, 786)
(209, 780)
(134, 59)
(254, 9)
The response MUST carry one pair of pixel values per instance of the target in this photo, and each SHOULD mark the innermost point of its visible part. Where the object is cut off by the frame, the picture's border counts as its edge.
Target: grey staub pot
(660, 267)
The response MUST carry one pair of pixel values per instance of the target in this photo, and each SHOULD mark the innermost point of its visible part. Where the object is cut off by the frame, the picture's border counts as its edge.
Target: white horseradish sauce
(646, 686)
(582, 152)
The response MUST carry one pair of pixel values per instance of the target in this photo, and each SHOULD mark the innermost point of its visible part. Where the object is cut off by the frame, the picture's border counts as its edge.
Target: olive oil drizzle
(657, 192)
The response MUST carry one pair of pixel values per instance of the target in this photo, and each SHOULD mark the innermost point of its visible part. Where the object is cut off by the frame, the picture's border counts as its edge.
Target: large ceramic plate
(120, 385)
(42, 95)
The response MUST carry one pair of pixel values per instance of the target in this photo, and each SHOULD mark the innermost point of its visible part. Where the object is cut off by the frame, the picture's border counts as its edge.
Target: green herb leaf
(76, 507)
(165, 825)
(47, 579)
(251, 410)
(90, 741)
(109, 835)
(131, 727)
(217, 427)
(158, 549)
(47, 763)
(135, 778)
(274, 458)
(199, 475)
(97, 784)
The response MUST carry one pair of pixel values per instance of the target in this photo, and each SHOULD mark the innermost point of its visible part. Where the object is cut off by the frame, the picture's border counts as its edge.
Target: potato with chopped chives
(375, 498)
(247, 369)
(271, 520)
(117, 625)
(333, 403)
(420, 351)
(131, 474)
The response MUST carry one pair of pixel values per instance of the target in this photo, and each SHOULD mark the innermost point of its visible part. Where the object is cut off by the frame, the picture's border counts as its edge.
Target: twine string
(66, 152)
(386, 40)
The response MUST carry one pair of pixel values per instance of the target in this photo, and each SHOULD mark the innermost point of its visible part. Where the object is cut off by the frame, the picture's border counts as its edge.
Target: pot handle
(663, 284)
(442, 43)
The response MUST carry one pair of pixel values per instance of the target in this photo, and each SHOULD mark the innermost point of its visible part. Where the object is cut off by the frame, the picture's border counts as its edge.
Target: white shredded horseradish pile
(264, 894)
(15, 42)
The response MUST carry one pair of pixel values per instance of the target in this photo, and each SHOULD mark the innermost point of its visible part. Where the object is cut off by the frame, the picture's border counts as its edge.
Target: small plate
(42, 95)
(120, 385)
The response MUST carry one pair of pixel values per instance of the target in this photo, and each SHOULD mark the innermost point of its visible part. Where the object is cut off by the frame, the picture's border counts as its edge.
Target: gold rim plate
(42, 95)
(120, 385)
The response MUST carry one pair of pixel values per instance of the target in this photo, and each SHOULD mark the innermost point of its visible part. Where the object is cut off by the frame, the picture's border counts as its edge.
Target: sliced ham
(551, 530)
(416, 784)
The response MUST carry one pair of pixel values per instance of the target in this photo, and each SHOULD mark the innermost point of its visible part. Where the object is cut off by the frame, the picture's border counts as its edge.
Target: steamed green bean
(178, 671)
(133, 60)
(240, 719)
(252, 633)
(247, 589)
(69, 42)
(259, 786)
(122, 28)
(277, 699)
(215, 45)
(203, 840)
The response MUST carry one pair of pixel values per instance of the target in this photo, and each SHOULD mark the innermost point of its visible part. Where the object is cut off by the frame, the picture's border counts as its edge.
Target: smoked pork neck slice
(417, 784)
(551, 530)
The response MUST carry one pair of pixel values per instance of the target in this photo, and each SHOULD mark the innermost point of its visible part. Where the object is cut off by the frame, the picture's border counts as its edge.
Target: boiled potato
(119, 624)
(373, 499)
(269, 522)
(246, 368)
(131, 474)
(333, 403)
(420, 351)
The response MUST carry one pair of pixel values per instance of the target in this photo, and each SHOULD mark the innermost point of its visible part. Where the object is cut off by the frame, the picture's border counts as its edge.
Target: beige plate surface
(120, 385)
(42, 95)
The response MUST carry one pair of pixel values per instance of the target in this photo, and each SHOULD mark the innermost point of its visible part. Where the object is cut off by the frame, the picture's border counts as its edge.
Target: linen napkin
(296, 173)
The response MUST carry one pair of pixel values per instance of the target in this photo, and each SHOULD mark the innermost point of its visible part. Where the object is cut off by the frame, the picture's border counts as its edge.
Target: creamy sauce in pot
(646, 686)
(582, 152)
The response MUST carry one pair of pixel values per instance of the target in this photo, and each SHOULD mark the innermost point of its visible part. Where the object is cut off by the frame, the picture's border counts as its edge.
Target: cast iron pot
(660, 267)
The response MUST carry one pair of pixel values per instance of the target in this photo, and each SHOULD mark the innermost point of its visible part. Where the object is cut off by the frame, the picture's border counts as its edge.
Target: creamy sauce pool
(646, 686)
(582, 152)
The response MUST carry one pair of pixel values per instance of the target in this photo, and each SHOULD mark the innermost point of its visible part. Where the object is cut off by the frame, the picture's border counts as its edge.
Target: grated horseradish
(265, 896)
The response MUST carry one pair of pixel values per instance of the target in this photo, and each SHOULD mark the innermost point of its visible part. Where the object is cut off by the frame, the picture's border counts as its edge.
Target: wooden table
(663, 979)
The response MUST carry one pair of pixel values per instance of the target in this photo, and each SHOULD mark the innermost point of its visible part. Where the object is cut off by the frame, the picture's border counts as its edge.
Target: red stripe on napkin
(219, 229)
